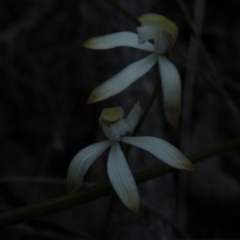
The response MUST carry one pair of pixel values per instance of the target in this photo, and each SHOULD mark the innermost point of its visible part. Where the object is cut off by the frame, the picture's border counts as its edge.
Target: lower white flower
(116, 128)
(164, 33)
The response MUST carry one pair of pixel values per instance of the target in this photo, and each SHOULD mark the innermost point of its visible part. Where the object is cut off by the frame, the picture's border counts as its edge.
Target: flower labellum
(164, 33)
(116, 128)
(158, 28)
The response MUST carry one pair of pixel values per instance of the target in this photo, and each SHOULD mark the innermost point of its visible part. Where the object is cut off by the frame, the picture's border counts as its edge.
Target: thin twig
(188, 106)
(123, 11)
(33, 180)
(217, 84)
(19, 215)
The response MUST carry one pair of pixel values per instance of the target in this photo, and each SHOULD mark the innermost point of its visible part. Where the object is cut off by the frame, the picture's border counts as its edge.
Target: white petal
(171, 87)
(162, 150)
(123, 79)
(134, 116)
(81, 163)
(121, 178)
(120, 39)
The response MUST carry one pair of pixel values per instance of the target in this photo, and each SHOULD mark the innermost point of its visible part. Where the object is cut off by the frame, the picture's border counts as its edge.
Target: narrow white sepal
(123, 79)
(120, 39)
(171, 87)
(161, 149)
(133, 117)
(81, 163)
(121, 178)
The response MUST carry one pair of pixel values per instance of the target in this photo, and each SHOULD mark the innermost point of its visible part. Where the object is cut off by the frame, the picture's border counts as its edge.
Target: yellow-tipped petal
(122, 179)
(161, 149)
(120, 39)
(172, 115)
(171, 87)
(123, 79)
(81, 163)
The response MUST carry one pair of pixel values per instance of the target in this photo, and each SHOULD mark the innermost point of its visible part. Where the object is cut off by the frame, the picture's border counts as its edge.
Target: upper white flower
(164, 33)
(116, 128)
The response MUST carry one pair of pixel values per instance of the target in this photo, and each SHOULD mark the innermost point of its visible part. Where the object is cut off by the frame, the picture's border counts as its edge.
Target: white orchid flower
(116, 128)
(164, 33)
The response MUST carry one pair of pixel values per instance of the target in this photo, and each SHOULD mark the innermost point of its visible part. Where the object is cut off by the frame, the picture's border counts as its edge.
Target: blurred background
(46, 77)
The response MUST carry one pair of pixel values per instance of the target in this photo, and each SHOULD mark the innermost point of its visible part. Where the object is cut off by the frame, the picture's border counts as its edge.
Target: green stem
(123, 11)
(19, 215)
(144, 114)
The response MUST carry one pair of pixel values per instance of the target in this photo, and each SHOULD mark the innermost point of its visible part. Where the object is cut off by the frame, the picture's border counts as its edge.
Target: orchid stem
(124, 11)
(144, 114)
(19, 215)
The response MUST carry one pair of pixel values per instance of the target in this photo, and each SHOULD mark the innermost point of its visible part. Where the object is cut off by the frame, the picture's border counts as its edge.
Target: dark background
(46, 78)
